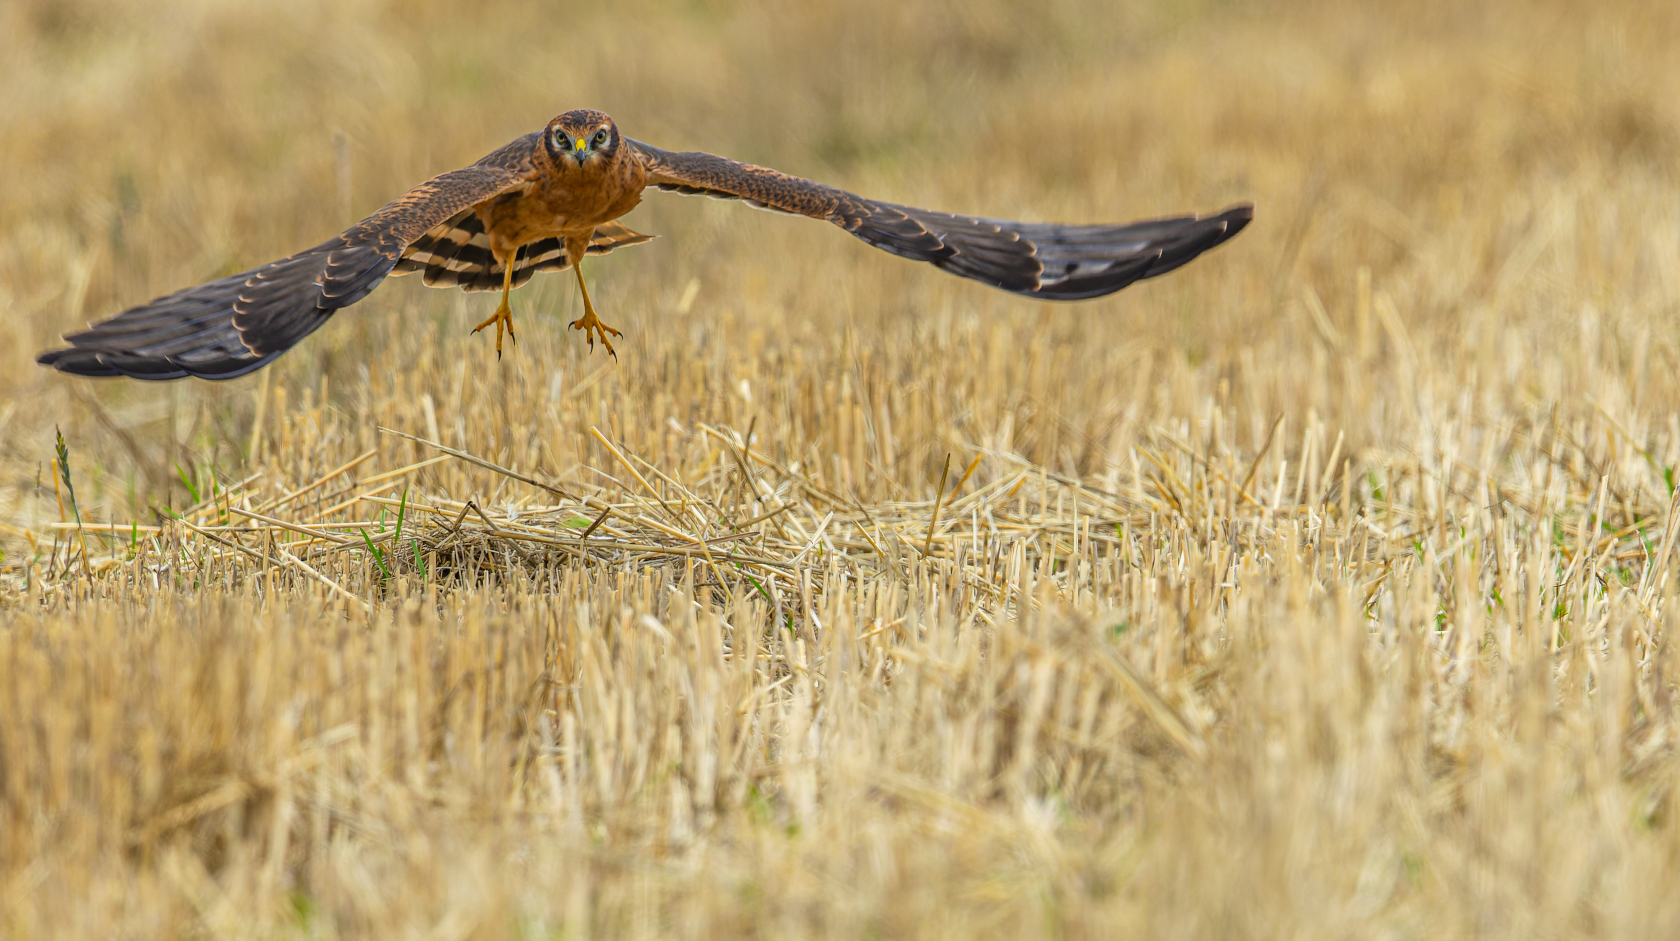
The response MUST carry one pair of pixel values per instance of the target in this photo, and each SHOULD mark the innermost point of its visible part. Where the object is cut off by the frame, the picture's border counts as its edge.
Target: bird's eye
(601, 137)
(560, 140)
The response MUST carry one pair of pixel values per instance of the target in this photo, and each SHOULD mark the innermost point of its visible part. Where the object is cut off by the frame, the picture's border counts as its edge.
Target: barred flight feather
(456, 253)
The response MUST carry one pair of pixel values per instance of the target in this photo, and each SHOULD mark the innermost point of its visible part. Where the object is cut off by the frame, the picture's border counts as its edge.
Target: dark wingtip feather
(76, 362)
(1045, 260)
(1236, 218)
(197, 331)
(231, 326)
(97, 364)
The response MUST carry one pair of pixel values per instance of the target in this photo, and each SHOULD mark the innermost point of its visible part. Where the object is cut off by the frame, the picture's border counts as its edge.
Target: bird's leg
(589, 323)
(502, 315)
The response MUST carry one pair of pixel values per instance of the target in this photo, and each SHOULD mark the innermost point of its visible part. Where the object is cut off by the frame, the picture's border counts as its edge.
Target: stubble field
(1322, 588)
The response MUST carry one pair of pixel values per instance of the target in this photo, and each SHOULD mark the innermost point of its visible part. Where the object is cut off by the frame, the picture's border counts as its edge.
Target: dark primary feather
(231, 326)
(1057, 262)
(194, 332)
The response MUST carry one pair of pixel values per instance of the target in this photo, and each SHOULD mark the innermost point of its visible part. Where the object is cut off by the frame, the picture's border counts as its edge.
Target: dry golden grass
(1321, 589)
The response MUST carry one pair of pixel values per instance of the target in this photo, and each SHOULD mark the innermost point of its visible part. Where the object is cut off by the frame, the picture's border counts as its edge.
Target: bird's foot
(501, 317)
(592, 327)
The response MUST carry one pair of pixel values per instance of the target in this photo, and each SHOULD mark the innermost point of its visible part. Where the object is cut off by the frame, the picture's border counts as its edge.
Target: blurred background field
(1320, 588)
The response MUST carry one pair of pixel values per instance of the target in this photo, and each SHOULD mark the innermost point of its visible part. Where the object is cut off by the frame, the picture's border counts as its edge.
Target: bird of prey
(546, 200)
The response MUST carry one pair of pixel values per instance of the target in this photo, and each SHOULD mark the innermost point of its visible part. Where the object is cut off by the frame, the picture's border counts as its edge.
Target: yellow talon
(502, 315)
(590, 324)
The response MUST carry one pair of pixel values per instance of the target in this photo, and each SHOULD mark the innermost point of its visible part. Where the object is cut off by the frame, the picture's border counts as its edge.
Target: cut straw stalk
(481, 462)
(293, 527)
(933, 522)
(332, 475)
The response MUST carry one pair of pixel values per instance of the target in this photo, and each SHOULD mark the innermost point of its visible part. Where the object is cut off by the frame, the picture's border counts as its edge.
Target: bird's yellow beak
(578, 147)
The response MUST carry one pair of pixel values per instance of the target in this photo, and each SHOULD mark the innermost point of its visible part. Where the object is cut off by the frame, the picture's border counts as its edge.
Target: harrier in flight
(548, 199)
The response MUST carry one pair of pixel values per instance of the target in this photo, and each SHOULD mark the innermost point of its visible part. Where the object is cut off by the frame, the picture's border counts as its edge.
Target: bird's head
(581, 136)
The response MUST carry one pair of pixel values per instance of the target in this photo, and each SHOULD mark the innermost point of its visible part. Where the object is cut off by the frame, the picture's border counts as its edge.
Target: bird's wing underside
(456, 253)
(228, 327)
(1055, 262)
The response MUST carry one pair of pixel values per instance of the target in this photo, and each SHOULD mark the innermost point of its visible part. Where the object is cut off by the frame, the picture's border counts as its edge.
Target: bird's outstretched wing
(228, 327)
(1055, 262)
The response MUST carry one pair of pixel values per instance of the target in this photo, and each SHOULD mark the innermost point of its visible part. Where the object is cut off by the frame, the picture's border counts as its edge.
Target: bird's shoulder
(511, 166)
(517, 156)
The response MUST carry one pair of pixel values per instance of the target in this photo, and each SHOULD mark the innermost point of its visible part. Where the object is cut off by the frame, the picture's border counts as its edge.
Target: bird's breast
(568, 200)
(587, 196)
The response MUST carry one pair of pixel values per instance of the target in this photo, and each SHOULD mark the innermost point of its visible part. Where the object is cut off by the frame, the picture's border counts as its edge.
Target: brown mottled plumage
(546, 200)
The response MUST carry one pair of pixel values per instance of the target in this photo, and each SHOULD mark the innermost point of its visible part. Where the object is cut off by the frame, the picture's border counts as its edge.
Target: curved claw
(502, 316)
(503, 319)
(592, 327)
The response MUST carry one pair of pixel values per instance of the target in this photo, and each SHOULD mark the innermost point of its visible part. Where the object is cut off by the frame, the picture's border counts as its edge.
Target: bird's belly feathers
(569, 206)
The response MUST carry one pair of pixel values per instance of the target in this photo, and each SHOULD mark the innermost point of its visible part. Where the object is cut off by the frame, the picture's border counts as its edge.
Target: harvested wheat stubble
(601, 676)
